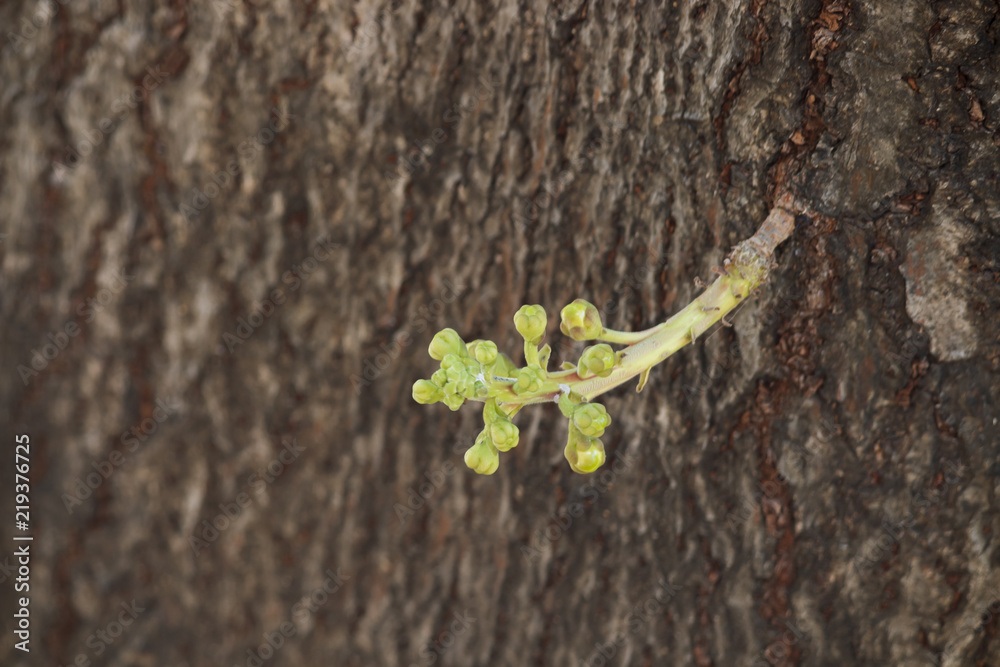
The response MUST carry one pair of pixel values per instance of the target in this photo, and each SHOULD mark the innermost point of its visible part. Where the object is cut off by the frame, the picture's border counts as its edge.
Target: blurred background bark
(230, 230)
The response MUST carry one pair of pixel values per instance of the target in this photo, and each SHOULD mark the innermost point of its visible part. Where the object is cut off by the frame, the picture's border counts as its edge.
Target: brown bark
(815, 486)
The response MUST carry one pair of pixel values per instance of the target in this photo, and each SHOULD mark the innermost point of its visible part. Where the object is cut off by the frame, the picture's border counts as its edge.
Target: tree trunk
(232, 228)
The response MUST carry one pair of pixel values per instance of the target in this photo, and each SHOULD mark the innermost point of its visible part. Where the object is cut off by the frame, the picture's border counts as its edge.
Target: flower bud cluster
(461, 376)
(584, 450)
(478, 371)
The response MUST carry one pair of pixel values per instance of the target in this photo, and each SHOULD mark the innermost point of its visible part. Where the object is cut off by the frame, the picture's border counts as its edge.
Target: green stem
(627, 337)
(683, 328)
(530, 354)
(745, 269)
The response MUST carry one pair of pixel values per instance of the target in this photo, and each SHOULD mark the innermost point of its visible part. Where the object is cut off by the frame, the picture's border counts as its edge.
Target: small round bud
(528, 380)
(591, 419)
(584, 454)
(453, 401)
(426, 392)
(440, 377)
(580, 320)
(452, 361)
(530, 322)
(486, 352)
(445, 342)
(504, 435)
(596, 360)
(483, 457)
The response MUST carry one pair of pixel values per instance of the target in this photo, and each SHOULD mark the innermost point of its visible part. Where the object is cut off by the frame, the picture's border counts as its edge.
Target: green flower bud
(591, 419)
(445, 342)
(584, 453)
(453, 401)
(450, 361)
(462, 386)
(486, 352)
(426, 392)
(596, 360)
(483, 457)
(530, 322)
(440, 377)
(504, 435)
(581, 321)
(528, 380)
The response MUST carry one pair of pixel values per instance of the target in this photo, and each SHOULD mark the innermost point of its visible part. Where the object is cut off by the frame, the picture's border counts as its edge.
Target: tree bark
(256, 215)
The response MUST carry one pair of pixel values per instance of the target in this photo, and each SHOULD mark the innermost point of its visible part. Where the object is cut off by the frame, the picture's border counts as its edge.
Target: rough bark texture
(815, 486)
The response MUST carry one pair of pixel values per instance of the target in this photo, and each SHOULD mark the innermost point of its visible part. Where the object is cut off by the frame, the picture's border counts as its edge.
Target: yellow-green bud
(486, 352)
(528, 380)
(426, 392)
(591, 419)
(530, 322)
(453, 401)
(445, 342)
(452, 361)
(580, 320)
(483, 457)
(584, 453)
(504, 435)
(596, 360)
